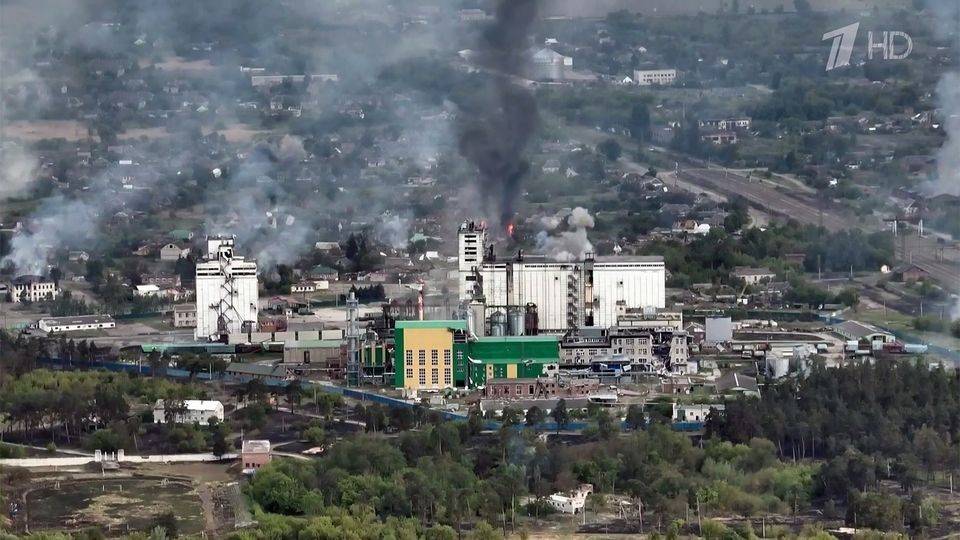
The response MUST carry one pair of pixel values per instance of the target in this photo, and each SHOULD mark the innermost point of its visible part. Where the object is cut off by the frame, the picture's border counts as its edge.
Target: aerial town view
(480, 269)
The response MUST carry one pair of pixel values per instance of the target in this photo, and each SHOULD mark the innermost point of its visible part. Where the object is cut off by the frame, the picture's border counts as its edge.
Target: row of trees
(449, 474)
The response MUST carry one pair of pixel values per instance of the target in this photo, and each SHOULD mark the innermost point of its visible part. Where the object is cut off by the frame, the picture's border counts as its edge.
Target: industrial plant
(558, 295)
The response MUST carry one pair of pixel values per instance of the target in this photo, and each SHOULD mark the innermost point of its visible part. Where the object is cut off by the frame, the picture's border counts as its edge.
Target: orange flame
(510, 230)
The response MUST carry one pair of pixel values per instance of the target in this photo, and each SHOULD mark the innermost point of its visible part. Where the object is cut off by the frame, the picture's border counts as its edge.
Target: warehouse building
(324, 357)
(435, 355)
(55, 325)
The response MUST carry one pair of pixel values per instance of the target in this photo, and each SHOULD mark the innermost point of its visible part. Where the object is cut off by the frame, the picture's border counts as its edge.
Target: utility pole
(699, 522)
(640, 513)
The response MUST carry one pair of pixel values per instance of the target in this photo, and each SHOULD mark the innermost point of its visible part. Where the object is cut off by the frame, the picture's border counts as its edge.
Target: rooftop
(857, 330)
(450, 324)
(80, 319)
(256, 447)
(737, 381)
(751, 271)
(28, 279)
(195, 405)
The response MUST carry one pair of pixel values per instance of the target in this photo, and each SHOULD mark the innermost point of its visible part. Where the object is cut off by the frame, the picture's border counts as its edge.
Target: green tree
(560, 415)
(535, 416)
(635, 418)
(610, 149)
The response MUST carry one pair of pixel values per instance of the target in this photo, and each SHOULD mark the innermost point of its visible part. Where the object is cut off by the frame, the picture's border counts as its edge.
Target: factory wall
(637, 285)
(547, 286)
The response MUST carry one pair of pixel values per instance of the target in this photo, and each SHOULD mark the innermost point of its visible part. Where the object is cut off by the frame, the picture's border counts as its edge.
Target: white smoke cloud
(18, 168)
(571, 244)
(291, 149)
(61, 222)
(395, 231)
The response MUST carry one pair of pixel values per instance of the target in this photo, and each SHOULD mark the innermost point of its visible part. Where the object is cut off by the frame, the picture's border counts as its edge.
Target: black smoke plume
(495, 128)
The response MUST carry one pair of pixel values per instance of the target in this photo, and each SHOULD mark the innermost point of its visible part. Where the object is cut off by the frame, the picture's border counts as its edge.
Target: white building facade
(227, 291)
(32, 289)
(189, 411)
(653, 77)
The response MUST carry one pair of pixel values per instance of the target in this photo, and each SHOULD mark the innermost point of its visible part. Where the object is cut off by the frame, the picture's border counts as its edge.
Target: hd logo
(844, 40)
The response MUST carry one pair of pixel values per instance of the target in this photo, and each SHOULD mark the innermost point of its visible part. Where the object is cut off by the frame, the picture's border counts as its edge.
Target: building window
(447, 376)
(519, 389)
(446, 357)
(434, 376)
(306, 357)
(531, 389)
(408, 357)
(434, 357)
(423, 376)
(422, 357)
(410, 373)
(459, 355)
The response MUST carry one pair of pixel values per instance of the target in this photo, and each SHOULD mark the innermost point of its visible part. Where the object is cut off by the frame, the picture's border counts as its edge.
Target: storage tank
(778, 365)
(476, 322)
(498, 324)
(531, 321)
(515, 320)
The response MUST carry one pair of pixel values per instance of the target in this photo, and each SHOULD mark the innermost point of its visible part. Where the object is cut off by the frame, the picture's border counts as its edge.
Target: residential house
(753, 276)
(696, 412)
(912, 272)
(190, 411)
(572, 502)
(172, 252)
(719, 137)
(185, 316)
(254, 454)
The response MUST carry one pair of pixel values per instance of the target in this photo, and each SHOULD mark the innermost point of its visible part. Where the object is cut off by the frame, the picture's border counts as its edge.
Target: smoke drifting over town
(250, 195)
(495, 130)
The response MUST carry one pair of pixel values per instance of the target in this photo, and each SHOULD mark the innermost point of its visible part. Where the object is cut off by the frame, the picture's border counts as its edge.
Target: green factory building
(433, 355)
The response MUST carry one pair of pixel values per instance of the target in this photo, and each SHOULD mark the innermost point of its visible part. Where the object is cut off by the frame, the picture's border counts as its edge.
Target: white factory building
(227, 293)
(589, 292)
